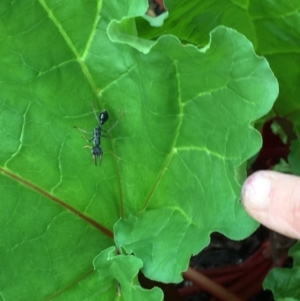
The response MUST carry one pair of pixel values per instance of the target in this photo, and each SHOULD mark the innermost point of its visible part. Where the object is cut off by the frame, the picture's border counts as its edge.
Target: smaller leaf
(142, 236)
(123, 270)
(294, 157)
(114, 278)
(284, 282)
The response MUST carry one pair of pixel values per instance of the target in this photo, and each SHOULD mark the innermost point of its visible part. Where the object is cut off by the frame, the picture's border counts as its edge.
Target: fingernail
(256, 191)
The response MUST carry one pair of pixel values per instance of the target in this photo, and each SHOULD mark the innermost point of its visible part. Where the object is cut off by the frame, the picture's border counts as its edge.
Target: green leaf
(178, 151)
(125, 269)
(200, 173)
(44, 246)
(114, 278)
(294, 157)
(284, 282)
(169, 225)
(272, 26)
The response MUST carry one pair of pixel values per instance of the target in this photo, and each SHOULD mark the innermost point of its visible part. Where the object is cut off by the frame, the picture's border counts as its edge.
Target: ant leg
(118, 289)
(84, 131)
(107, 131)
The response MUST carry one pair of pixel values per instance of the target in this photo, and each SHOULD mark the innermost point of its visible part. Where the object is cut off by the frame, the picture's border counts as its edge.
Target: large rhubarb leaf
(199, 174)
(274, 29)
(172, 167)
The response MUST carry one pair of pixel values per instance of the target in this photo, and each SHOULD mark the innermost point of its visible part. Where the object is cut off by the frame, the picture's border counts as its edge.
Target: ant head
(103, 117)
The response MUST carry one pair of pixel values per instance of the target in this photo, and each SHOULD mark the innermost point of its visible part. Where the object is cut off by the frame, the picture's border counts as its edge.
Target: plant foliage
(173, 166)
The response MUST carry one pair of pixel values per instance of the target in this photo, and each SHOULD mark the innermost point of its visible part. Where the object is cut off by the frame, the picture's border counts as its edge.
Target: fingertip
(256, 191)
(273, 199)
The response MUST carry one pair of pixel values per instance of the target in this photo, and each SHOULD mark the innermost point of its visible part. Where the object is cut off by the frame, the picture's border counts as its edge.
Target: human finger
(273, 199)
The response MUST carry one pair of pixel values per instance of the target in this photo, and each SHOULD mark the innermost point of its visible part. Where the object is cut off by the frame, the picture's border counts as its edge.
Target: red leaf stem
(210, 286)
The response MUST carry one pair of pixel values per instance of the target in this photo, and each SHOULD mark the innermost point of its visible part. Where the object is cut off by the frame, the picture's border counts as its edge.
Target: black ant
(96, 150)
